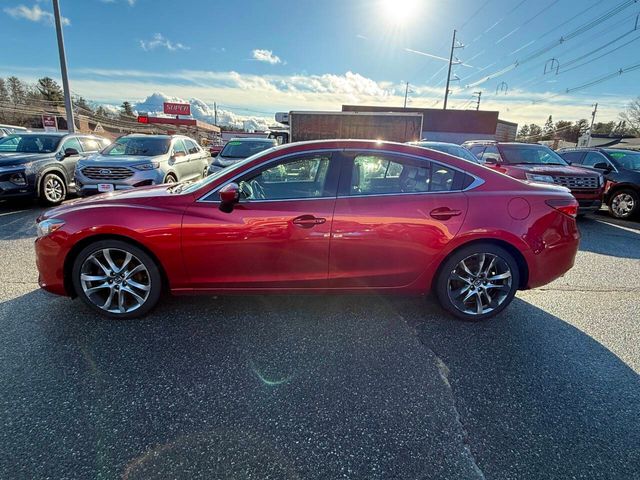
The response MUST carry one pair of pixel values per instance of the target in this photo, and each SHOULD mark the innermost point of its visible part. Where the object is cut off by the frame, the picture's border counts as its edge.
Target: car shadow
(608, 236)
(308, 387)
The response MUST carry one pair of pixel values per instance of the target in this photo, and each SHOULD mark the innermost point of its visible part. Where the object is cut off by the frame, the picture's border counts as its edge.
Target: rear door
(394, 214)
(197, 163)
(179, 161)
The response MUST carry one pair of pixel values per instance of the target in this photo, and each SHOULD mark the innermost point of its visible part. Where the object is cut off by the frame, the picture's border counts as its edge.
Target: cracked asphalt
(325, 387)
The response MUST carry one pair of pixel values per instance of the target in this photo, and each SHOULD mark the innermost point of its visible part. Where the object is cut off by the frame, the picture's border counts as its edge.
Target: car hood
(120, 160)
(8, 159)
(550, 169)
(135, 197)
(226, 161)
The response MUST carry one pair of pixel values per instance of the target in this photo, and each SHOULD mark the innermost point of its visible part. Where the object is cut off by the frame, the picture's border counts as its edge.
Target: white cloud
(158, 41)
(266, 56)
(34, 14)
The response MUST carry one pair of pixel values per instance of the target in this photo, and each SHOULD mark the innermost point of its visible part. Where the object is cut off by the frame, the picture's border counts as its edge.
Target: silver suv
(140, 160)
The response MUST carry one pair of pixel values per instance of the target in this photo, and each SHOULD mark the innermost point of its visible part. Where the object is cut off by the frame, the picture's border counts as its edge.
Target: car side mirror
(69, 152)
(229, 196)
(602, 166)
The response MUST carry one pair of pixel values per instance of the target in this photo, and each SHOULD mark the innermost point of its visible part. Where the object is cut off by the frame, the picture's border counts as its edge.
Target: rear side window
(384, 174)
(90, 145)
(72, 143)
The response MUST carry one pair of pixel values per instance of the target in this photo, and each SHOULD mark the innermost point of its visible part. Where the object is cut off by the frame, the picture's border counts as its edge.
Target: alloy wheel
(115, 280)
(53, 189)
(623, 205)
(479, 283)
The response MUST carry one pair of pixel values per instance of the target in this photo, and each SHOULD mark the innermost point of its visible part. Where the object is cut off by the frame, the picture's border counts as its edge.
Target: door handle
(308, 221)
(444, 213)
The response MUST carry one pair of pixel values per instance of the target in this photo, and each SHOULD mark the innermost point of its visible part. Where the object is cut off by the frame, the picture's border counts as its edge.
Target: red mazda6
(319, 217)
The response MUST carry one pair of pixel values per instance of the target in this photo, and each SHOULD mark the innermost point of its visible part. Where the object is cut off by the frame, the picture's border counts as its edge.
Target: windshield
(30, 143)
(454, 150)
(531, 154)
(626, 159)
(192, 187)
(240, 149)
(147, 146)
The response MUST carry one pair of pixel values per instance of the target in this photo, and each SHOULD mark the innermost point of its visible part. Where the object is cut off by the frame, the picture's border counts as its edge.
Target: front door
(277, 236)
(393, 215)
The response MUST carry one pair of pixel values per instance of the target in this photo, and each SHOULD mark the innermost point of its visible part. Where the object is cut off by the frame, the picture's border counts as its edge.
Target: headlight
(539, 178)
(147, 166)
(48, 226)
(18, 179)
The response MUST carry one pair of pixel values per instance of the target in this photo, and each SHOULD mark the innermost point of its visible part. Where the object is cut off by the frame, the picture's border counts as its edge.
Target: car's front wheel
(117, 279)
(477, 282)
(53, 189)
(624, 204)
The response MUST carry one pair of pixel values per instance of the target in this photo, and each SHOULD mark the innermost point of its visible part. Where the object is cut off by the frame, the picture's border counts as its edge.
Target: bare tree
(631, 116)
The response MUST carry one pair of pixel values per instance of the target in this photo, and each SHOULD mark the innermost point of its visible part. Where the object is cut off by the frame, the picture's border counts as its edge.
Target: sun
(399, 12)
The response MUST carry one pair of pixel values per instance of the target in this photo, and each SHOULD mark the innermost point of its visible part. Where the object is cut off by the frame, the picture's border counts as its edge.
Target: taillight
(568, 206)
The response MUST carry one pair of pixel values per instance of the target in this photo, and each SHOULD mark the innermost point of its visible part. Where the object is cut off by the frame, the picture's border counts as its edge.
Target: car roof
(41, 134)
(251, 139)
(443, 144)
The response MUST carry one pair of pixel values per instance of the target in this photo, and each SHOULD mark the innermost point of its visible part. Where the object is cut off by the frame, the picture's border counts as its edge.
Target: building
(454, 126)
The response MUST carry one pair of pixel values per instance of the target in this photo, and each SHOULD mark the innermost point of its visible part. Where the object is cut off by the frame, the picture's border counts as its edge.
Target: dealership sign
(49, 123)
(177, 108)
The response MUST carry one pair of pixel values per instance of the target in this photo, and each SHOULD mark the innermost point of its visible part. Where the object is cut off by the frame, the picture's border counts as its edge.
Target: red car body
(340, 242)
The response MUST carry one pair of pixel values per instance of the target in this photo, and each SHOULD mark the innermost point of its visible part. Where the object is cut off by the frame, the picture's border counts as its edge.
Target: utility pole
(215, 114)
(63, 68)
(593, 119)
(446, 91)
(406, 93)
(479, 95)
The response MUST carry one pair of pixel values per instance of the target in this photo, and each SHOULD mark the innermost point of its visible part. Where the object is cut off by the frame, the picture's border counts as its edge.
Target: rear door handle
(444, 213)
(308, 221)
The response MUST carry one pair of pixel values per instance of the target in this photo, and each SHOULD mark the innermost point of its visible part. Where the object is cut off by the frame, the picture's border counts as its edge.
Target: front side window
(143, 146)
(627, 159)
(291, 179)
(381, 174)
(593, 158)
(178, 147)
(72, 143)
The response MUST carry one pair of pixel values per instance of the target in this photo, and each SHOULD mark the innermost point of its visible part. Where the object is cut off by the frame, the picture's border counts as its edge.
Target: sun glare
(399, 12)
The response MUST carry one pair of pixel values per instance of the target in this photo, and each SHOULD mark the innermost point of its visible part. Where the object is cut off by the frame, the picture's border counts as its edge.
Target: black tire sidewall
(144, 257)
(43, 197)
(440, 285)
(636, 208)
(170, 175)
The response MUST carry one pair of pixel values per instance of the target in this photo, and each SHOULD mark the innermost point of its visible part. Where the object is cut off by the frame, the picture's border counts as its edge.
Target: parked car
(621, 169)
(538, 163)
(141, 160)
(449, 148)
(238, 149)
(396, 219)
(41, 164)
(6, 130)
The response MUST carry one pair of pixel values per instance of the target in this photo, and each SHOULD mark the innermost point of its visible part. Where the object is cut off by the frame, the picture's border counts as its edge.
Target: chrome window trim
(477, 181)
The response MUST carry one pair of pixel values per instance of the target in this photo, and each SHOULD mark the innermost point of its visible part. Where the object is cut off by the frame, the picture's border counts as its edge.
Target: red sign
(177, 108)
(49, 123)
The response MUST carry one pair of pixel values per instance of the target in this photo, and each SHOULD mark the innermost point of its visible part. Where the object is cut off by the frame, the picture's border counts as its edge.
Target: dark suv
(621, 169)
(41, 164)
(538, 163)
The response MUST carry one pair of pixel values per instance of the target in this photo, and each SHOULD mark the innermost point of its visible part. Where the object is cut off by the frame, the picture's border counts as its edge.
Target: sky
(256, 57)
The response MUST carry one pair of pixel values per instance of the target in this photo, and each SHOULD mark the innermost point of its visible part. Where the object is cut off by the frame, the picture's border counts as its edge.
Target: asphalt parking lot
(325, 387)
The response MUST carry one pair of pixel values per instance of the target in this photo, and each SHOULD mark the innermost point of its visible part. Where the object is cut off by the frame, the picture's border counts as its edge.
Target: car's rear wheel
(477, 282)
(53, 190)
(624, 204)
(117, 279)
(171, 178)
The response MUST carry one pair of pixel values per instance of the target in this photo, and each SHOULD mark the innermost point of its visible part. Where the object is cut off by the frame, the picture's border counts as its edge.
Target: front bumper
(140, 178)
(50, 255)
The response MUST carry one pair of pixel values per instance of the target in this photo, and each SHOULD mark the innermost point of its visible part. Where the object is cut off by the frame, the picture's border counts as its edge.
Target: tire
(130, 292)
(453, 284)
(205, 172)
(53, 189)
(170, 178)
(624, 204)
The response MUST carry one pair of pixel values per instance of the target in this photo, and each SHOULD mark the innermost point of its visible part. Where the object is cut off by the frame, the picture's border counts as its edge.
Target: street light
(63, 68)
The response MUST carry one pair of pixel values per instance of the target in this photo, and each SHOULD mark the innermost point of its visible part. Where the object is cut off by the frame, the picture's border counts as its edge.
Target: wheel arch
(78, 247)
(523, 266)
(50, 169)
(622, 186)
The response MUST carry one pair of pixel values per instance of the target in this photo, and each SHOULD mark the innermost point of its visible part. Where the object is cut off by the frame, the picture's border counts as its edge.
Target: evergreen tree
(50, 91)
(126, 110)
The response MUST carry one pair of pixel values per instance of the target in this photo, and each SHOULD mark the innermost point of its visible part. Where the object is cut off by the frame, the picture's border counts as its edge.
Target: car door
(179, 161)
(277, 236)
(394, 214)
(196, 161)
(69, 162)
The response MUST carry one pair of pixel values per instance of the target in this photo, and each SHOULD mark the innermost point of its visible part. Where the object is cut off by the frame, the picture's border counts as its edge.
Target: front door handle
(444, 213)
(308, 221)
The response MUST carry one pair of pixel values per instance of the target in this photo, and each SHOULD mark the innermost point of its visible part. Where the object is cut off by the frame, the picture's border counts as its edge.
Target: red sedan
(330, 216)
